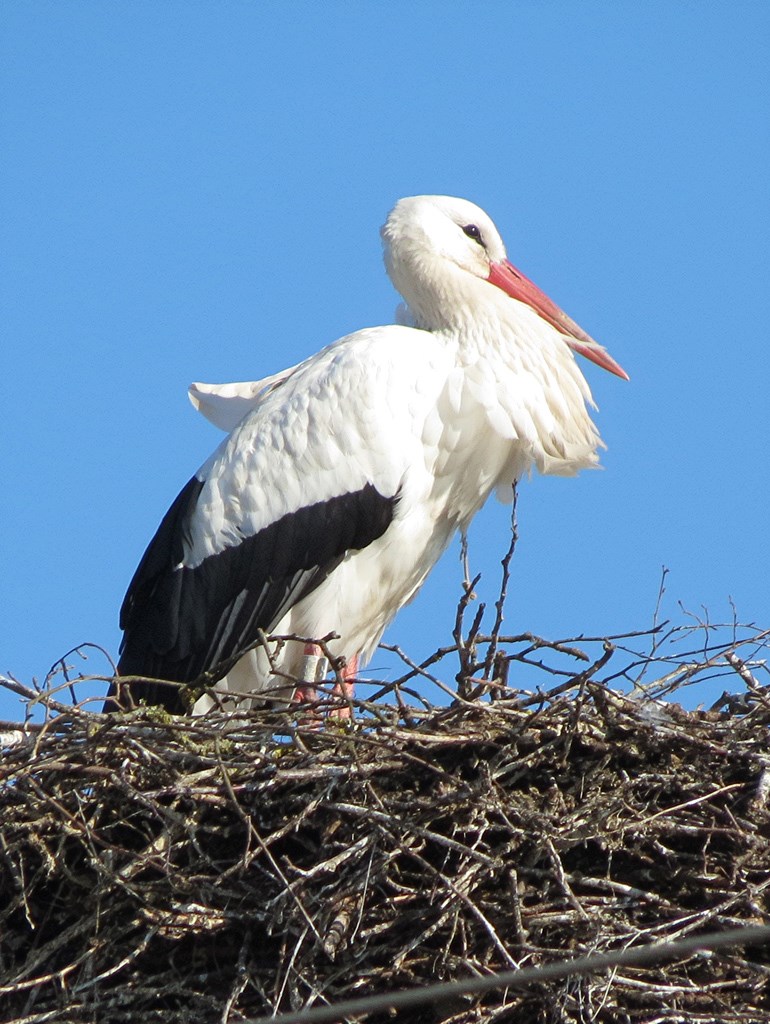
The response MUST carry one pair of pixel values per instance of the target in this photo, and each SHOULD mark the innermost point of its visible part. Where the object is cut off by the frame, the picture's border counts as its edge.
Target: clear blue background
(193, 191)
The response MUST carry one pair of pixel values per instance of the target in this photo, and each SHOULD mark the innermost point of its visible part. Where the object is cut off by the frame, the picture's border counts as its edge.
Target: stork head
(436, 245)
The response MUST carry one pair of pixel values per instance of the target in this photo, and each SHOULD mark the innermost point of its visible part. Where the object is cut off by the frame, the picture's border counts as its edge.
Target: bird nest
(212, 869)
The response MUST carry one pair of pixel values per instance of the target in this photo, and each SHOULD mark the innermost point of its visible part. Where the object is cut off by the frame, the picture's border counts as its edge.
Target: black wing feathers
(181, 621)
(165, 550)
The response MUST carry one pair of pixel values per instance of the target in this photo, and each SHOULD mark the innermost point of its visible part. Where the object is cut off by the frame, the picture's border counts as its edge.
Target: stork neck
(462, 305)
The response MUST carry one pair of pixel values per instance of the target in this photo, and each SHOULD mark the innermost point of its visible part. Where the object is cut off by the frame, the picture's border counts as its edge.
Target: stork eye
(472, 231)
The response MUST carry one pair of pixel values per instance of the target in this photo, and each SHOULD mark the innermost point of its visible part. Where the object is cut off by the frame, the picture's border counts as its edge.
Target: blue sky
(193, 191)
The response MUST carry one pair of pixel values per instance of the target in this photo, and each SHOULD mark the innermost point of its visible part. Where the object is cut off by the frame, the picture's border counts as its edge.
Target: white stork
(344, 478)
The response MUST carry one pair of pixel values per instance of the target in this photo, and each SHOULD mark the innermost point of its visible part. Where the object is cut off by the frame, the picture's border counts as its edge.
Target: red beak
(505, 276)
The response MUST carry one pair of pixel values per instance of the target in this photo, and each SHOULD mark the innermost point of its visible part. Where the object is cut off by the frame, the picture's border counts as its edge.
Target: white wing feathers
(225, 405)
(350, 416)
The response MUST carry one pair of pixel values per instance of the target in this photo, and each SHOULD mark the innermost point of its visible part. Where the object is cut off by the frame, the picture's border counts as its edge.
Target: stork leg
(312, 672)
(345, 688)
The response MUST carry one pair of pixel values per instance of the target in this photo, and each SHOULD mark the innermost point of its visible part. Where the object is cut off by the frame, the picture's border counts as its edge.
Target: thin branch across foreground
(220, 869)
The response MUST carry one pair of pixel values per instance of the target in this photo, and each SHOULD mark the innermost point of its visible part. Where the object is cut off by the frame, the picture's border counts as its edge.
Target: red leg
(313, 668)
(346, 688)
